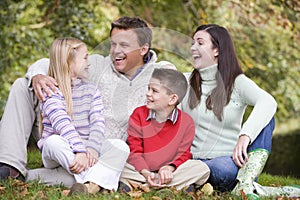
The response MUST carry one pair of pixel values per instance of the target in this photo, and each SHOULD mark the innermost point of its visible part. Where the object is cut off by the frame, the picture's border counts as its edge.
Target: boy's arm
(135, 141)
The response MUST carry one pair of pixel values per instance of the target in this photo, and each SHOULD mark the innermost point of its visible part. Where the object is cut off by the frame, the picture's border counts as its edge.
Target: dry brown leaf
(135, 194)
(207, 189)
(156, 198)
(65, 192)
(134, 185)
(24, 192)
(243, 195)
(145, 188)
(40, 195)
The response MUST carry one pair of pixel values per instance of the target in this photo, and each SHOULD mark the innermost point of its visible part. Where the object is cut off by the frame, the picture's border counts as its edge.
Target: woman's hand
(79, 164)
(44, 83)
(240, 156)
(92, 156)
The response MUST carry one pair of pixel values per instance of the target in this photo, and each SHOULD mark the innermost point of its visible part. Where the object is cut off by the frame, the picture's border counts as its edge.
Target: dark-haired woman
(219, 93)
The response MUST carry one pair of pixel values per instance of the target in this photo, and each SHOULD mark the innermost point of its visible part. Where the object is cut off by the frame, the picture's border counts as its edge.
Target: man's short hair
(174, 81)
(138, 25)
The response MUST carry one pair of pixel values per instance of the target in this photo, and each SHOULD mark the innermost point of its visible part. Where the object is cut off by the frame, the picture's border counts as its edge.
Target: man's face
(125, 51)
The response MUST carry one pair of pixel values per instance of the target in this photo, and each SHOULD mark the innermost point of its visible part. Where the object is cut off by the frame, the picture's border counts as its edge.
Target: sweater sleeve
(135, 141)
(183, 151)
(61, 122)
(264, 106)
(97, 123)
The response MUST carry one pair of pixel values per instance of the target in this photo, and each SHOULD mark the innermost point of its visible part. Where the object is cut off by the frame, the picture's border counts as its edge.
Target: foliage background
(265, 32)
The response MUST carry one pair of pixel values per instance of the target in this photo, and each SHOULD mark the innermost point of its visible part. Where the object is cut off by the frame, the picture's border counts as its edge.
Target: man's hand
(79, 164)
(240, 156)
(92, 156)
(44, 83)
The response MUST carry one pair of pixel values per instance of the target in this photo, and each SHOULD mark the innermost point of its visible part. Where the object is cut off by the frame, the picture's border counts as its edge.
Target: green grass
(13, 189)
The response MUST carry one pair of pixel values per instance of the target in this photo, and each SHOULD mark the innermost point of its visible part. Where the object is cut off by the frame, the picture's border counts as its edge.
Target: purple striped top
(86, 128)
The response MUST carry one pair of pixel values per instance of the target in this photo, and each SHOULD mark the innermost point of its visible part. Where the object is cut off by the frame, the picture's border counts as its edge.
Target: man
(122, 79)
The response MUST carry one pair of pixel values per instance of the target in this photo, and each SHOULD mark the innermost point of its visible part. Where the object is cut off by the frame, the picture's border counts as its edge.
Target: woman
(73, 123)
(218, 96)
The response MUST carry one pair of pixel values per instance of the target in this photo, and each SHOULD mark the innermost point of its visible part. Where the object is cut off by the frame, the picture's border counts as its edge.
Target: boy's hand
(92, 156)
(165, 174)
(79, 164)
(44, 83)
(152, 179)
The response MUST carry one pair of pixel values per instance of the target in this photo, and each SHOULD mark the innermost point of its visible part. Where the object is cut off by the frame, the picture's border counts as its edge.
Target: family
(106, 123)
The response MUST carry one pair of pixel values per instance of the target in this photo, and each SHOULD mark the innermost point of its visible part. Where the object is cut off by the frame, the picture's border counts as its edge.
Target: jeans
(223, 170)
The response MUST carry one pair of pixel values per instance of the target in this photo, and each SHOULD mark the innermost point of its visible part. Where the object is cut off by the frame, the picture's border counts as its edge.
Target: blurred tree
(266, 35)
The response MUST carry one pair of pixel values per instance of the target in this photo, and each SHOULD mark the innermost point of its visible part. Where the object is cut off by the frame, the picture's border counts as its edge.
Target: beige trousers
(190, 172)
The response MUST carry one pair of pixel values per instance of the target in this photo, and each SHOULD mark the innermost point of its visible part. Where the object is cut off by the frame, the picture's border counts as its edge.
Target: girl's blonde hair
(62, 52)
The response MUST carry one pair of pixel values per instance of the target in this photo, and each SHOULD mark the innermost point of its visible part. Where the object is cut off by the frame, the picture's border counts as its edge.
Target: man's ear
(144, 49)
(173, 99)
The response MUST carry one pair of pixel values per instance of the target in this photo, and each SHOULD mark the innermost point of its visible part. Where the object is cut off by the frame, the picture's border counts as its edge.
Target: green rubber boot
(247, 174)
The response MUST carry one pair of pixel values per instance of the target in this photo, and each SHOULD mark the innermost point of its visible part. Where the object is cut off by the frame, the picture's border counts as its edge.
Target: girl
(73, 123)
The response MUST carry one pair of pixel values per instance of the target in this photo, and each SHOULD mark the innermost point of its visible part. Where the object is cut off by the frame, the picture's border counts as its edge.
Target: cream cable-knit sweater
(120, 95)
(214, 138)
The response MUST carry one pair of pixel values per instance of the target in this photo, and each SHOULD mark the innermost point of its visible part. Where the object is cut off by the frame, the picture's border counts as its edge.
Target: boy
(160, 136)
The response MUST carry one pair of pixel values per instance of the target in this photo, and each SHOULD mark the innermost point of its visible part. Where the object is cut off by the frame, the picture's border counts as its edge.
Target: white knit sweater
(214, 138)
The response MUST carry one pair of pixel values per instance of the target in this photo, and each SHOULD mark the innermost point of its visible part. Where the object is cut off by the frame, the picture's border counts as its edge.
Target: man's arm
(39, 81)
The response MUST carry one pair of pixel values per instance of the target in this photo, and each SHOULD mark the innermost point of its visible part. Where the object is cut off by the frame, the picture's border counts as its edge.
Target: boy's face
(125, 51)
(157, 97)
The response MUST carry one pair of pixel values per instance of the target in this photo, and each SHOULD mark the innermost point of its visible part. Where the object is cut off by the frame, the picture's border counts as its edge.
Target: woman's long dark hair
(228, 70)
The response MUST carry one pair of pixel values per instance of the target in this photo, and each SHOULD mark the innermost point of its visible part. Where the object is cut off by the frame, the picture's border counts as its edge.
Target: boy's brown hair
(173, 80)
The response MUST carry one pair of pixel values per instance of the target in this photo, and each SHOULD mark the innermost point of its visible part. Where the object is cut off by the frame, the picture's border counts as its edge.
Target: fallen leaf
(65, 192)
(207, 189)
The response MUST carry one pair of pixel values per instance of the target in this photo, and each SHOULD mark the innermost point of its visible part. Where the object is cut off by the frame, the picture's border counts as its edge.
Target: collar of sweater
(209, 73)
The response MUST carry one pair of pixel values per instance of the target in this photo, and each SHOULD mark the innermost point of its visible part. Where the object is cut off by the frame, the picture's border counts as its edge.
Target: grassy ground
(14, 189)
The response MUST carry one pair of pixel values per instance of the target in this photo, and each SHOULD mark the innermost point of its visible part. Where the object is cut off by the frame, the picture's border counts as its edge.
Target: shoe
(93, 188)
(78, 188)
(190, 189)
(7, 170)
(123, 188)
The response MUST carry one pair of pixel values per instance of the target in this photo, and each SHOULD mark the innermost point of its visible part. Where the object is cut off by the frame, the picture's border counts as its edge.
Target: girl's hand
(92, 156)
(79, 164)
(240, 156)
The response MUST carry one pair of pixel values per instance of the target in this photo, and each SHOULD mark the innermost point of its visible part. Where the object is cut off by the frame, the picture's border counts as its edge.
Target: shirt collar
(172, 117)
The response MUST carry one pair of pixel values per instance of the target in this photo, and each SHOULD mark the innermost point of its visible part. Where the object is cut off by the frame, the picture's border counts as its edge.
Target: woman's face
(80, 65)
(202, 50)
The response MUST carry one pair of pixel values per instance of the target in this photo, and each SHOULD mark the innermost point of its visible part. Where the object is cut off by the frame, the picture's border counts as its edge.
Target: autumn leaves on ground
(17, 189)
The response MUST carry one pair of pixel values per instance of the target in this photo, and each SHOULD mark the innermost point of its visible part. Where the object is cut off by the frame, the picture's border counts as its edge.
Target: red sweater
(153, 144)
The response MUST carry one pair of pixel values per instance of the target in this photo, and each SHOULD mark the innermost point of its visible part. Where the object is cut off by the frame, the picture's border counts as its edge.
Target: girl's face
(202, 50)
(80, 66)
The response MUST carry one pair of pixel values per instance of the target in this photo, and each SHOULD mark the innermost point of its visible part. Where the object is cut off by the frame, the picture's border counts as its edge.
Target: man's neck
(131, 74)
